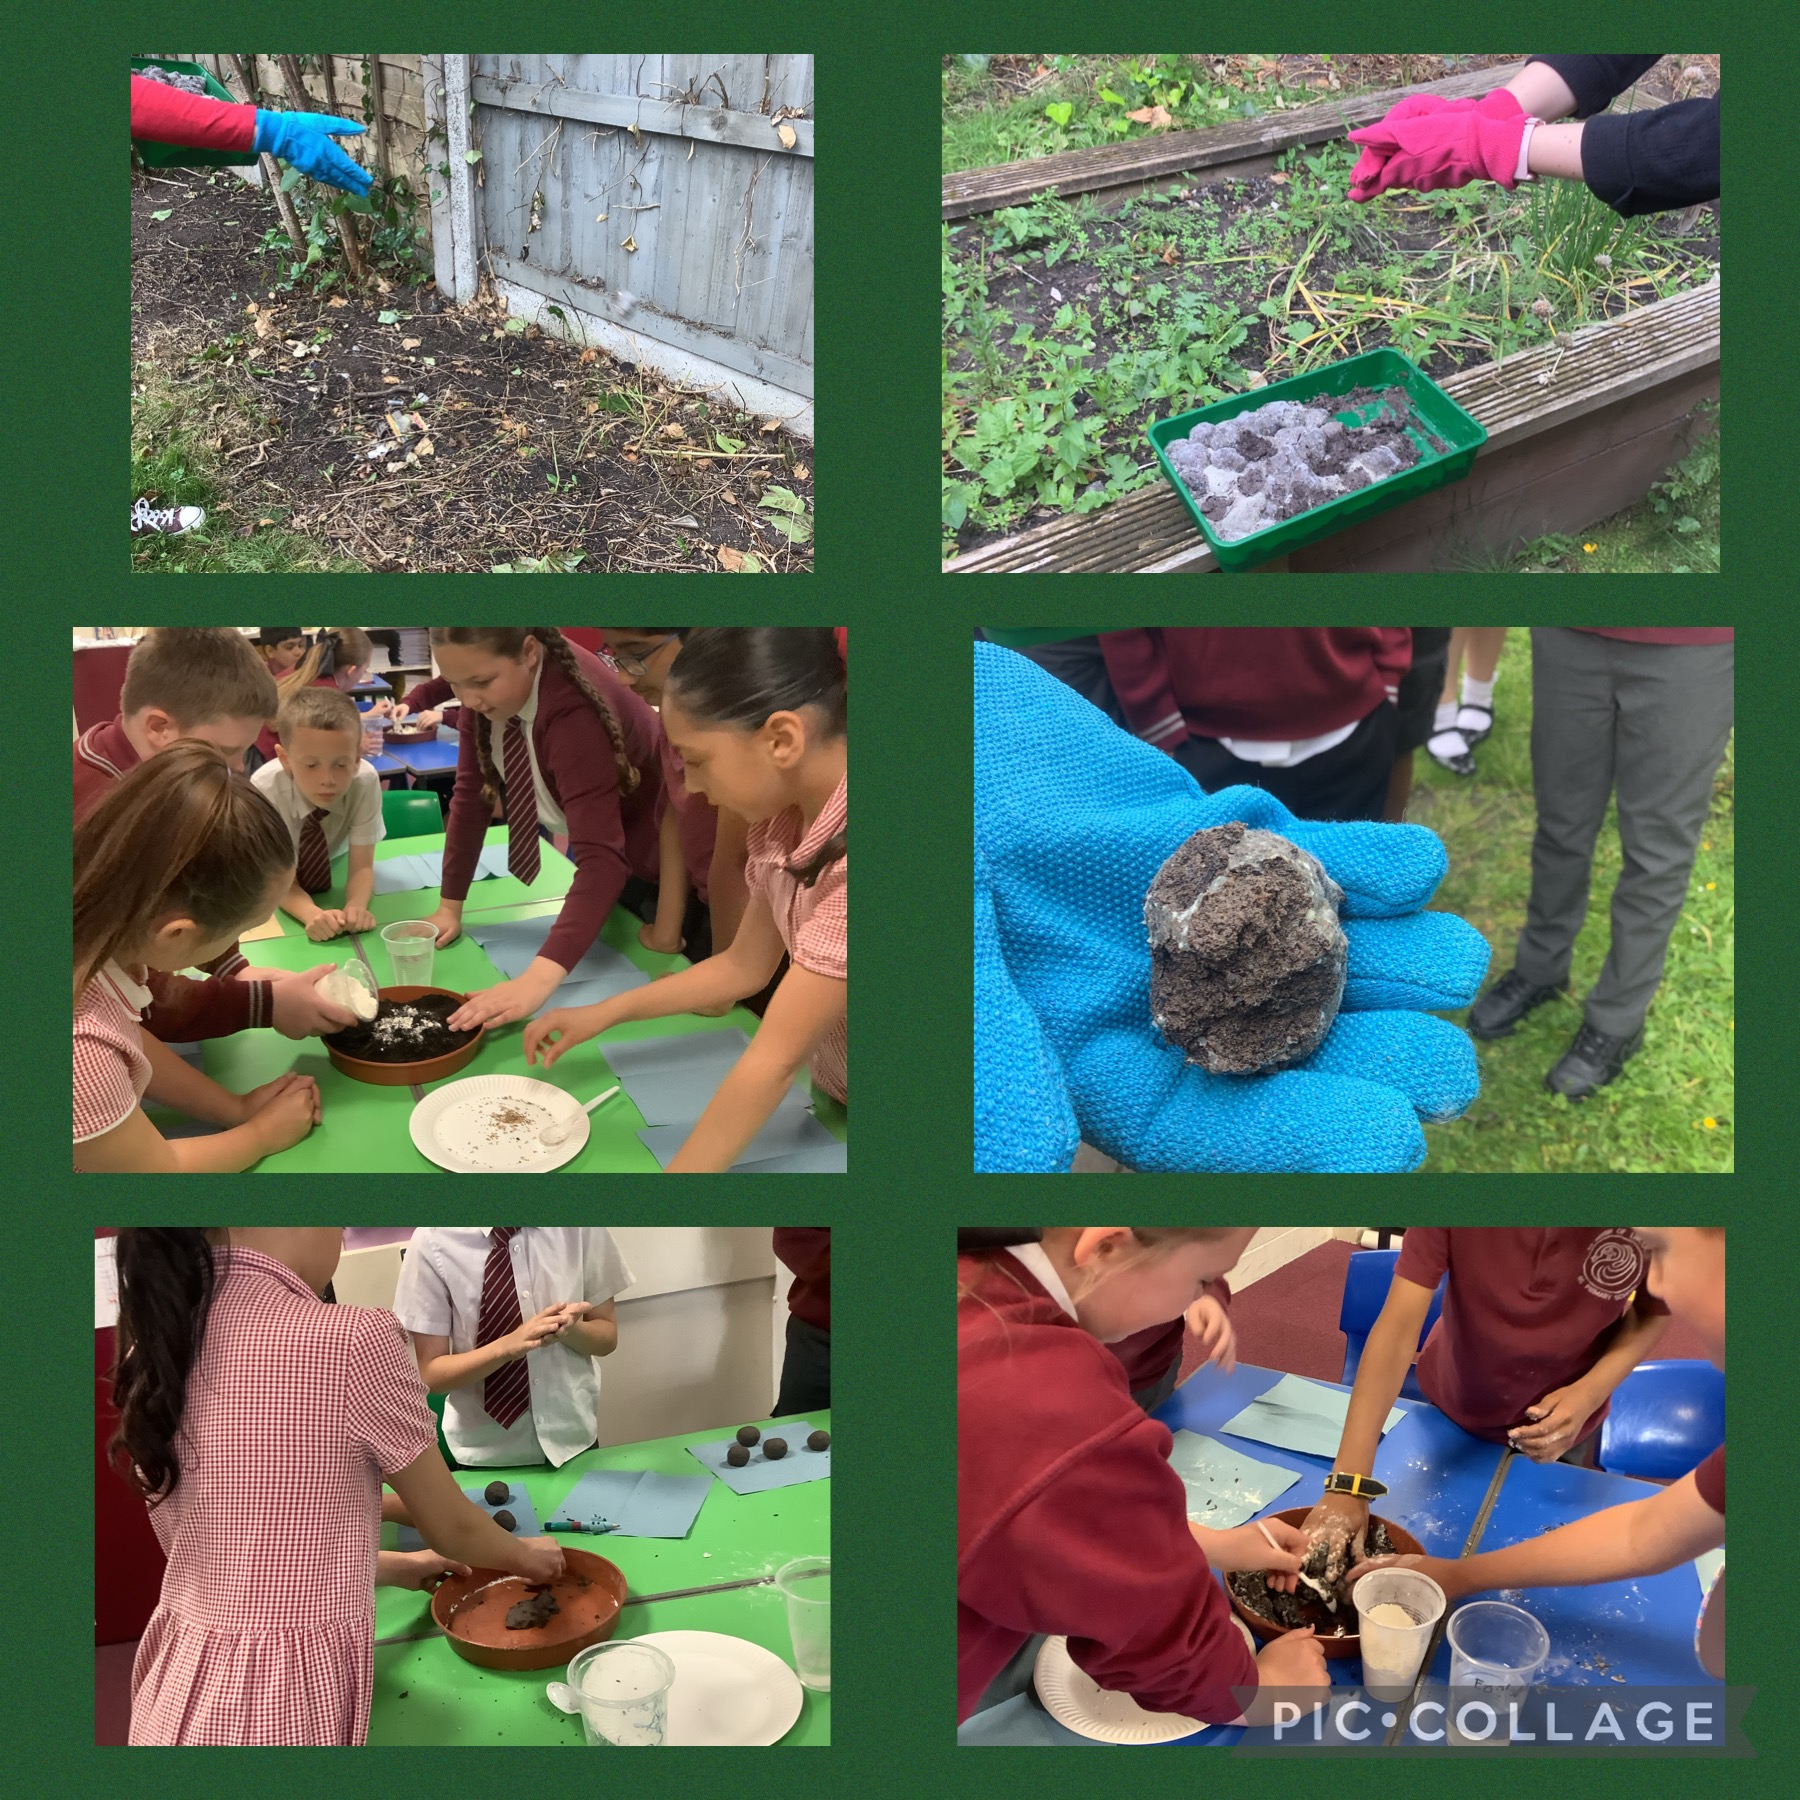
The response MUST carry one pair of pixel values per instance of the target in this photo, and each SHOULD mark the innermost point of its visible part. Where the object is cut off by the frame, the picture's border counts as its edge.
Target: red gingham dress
(814, 922)
(295, 1411)
(111, 1069)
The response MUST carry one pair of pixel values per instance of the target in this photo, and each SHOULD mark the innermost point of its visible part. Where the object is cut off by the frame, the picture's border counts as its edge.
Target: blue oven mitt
(1073, 817)
(304, 139)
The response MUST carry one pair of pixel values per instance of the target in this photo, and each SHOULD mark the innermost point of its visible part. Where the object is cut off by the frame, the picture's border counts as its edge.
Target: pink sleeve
(822, 943)
(386, 1398)
(166, 115)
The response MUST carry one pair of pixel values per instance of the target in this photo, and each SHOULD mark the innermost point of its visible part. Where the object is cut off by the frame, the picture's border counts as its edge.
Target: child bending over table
(758, 716)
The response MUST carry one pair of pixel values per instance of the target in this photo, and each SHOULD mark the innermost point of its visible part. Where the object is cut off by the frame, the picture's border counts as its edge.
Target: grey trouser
(1651, 722)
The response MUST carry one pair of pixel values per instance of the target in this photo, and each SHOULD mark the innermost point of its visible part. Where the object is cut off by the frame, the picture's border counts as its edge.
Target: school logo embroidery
(1614, 1265)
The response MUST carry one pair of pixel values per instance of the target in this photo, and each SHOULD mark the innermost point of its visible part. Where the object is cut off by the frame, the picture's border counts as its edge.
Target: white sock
(1446, 717)
(1478, 693)
(1447, 743)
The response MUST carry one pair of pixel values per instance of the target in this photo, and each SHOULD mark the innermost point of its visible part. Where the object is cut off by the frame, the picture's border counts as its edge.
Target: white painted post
(462, 176)
(437, 176)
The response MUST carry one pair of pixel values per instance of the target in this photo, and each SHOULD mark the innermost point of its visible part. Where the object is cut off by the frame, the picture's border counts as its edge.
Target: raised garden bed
(1069, 328)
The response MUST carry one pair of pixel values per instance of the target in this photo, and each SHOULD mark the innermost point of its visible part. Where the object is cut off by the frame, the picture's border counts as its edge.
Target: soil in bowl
(405, 1031)
(1305, 1606)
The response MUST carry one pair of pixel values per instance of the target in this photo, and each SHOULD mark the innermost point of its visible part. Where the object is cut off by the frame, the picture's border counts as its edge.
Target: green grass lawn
(1672, 1109)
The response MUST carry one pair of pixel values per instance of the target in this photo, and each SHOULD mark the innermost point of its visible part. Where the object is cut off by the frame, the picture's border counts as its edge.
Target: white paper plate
(1077, 1701)
(455, 1126)
(727, 1690)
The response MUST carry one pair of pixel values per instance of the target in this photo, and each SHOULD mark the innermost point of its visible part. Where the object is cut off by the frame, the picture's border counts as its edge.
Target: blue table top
(436, 758)
(1437, 1476)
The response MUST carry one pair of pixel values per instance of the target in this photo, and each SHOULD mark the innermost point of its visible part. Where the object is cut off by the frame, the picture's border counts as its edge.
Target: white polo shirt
(440, 1295)
(354, 816)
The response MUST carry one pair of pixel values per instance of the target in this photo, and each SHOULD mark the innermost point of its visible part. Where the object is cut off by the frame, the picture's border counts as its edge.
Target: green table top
(426, 1694)
(365, 1127)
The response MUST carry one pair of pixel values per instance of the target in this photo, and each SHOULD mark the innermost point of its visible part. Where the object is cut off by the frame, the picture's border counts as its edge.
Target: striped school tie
(506, 1394)
(521, 806)
(313, 861)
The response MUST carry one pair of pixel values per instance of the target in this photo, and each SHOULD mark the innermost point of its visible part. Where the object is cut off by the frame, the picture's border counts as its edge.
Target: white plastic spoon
(558, 1129)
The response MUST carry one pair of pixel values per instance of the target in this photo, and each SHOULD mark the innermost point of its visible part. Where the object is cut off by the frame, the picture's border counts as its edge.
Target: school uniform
(573, 789)
(262, 752)
(354, 817)
(1308, 714)
(1152, 1358)
(445, 1291)
(182, 1010)
(429, 696)
(698, 818)
(1524, 1312)
(111, 1070)
(806, 1363)
(1069, 1519)
(296, 1412)
(814, 922)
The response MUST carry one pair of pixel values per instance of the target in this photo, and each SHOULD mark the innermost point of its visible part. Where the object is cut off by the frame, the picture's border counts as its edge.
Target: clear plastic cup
(805, 1584)
(411, 945)
(1495, 1651)
(1391, 1653)
(374, 734)
(623, 1690)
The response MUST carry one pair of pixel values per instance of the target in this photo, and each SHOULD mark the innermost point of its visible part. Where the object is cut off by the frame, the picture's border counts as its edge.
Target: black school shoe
(1593, 1060)
(1500, 1009)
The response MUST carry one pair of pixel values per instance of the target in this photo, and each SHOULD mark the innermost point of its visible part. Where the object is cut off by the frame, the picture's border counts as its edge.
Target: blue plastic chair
(1666, 1418)
(409, 813)
(1366, 1283)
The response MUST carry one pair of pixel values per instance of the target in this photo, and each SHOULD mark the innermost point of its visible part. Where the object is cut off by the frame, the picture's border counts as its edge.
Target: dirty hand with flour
(1073, 819)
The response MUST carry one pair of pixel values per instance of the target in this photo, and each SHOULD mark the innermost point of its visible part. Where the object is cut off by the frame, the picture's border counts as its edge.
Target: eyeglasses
(630, 664)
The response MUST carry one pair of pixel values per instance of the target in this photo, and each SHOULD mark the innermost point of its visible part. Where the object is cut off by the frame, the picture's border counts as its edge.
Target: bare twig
(298, 97)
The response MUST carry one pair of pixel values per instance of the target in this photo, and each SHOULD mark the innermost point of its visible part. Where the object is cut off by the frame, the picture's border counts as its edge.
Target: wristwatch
(1363, 1487)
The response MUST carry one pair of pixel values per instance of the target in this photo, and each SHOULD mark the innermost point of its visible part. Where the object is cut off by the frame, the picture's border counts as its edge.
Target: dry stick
(270, 173)
(378, 102)
(298, 97)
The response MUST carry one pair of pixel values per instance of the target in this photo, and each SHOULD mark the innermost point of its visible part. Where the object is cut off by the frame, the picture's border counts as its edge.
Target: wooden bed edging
(1575, 433)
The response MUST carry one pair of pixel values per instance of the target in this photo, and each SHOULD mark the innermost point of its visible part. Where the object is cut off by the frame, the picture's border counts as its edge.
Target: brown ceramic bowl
(1339, 1644)
(402, 734)
(404, 1074)
(472, 1610)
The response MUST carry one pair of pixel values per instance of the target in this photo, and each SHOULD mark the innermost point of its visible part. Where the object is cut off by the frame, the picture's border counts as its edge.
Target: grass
(1067, 330)
(184, 429)
(1672, 1108)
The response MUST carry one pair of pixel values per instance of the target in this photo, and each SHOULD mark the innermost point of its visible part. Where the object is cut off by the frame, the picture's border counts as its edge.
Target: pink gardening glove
(1423, 147)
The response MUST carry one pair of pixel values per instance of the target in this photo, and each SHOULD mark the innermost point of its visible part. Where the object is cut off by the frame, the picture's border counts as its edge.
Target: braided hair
(740, 675)
(509, 641)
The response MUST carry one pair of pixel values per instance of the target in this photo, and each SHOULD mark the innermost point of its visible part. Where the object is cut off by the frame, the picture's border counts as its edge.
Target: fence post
(462, 175)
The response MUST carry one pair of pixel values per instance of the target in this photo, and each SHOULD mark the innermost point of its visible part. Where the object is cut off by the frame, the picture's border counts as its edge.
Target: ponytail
(510, 643)
(181, 834)
(166, 1284)
(739, 676)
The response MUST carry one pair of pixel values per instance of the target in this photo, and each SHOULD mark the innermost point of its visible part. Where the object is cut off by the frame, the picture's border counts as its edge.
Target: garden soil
(538, 447)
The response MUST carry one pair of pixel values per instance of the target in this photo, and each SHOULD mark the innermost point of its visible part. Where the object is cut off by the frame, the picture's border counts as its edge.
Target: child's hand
(421, 1570)
(541, 1328)
(1554, 1422)
(1296, 1659)
(538, 1560)
(326, 923)
(505, 1001)
(358, 918)
(1209, 1321)
(448, 920)
(1341, 1519)
(1244, 1547)
(562, 1029)
(283, 1111)
(1444, 1570)
(671, 945)
(299, 1010)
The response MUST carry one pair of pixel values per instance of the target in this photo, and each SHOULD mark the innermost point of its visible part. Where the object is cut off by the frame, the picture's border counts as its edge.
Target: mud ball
(1251, 482)
(748, 1435)
(1247, 958)
(737, 1456)
(1215, 506)
(774, 1448)
(1252, 446)
(820, 1440)
(529, 1614)
(498, 1493)
(506, 1521)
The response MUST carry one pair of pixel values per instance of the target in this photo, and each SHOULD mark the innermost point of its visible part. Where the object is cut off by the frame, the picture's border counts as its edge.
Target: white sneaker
(169, 521)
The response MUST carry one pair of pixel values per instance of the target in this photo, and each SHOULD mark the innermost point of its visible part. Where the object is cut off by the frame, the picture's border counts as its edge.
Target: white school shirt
(440, 1294)
(1037, 1259)
(549, 813)
(354, 817)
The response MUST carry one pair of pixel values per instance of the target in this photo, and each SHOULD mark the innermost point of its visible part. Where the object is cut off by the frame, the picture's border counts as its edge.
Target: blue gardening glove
(304, 139)
(1073, 818)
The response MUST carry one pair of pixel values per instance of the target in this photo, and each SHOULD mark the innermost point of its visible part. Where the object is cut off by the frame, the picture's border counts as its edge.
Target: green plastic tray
(1373, 369)
(179, 156)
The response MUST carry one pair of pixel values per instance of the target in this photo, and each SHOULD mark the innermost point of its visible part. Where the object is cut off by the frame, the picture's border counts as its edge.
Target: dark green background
(66, 348)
